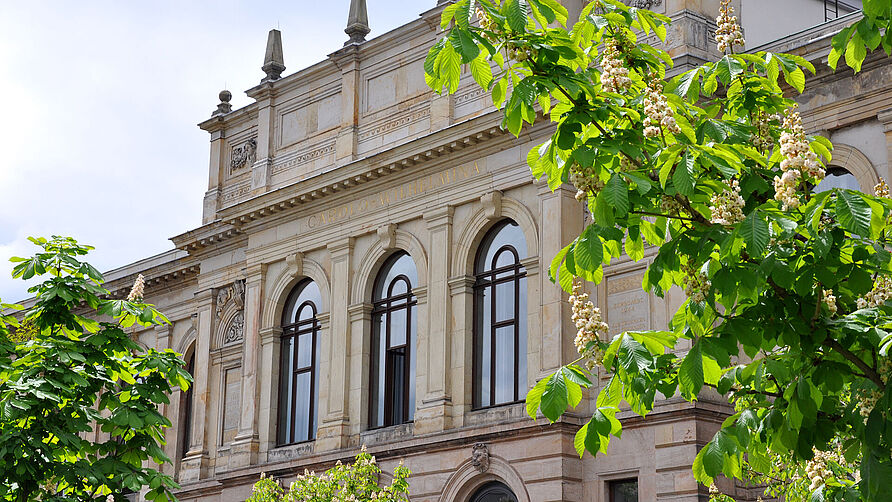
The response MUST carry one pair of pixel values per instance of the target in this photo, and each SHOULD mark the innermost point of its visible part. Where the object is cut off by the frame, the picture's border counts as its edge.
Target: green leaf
(690, 373)
(856, 51)
(482, 72)
(754, 230)
(616, 193)
(853, 212)
(635, 247)
(795, 78)
(589, 251)
(683, 179)
(555, 398)
(534, 397)
(516, 13)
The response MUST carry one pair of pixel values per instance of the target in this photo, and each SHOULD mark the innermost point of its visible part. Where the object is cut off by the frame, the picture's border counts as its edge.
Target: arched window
(298, 382)
(500, 311)
(494, 492)
(186, 407)
(837, 177)
(394, 320)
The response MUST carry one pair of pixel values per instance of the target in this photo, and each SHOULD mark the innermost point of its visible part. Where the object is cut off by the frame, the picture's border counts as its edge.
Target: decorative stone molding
(643, 4)
(492, 205)
(480, 457)
(243, 155)
(236, 330)
(233, 293)
(387, 236)
(295, 264)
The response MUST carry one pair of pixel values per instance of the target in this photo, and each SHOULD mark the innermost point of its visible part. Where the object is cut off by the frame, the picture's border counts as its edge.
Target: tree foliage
(69, 368)
(711, 175)
(341, 483)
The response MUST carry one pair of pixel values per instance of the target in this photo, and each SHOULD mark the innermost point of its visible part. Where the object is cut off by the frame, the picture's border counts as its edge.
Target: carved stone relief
(243, 155)
(643, 4)
(235, 294)
(480, 457)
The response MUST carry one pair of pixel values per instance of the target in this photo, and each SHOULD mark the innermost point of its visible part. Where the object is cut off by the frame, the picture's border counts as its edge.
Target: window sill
(510, 412)
(290, 451)
(387, 434)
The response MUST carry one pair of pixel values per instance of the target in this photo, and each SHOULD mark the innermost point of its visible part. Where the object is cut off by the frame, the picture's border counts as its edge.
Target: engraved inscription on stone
(628, 306)
(231, 403)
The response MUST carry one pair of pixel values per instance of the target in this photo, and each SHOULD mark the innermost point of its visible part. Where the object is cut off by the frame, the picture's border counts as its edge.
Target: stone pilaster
(360, 323)
(195, 463)
(246, 444)
(261, 171)
(885, 118)
(461, 289)
(347, 59)
(435, 407)
(562, 220)
(215, 172)
(334, 423)
(267, 421)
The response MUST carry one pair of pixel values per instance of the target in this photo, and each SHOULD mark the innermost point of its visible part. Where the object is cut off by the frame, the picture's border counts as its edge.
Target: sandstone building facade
(372, 270)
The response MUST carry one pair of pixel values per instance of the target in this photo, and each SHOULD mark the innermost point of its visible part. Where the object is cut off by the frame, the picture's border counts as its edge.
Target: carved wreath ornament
(235, 294)
(243, 155)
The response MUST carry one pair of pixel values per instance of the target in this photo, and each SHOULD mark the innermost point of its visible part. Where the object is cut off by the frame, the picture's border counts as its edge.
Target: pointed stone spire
(357, 22)
(273, 61)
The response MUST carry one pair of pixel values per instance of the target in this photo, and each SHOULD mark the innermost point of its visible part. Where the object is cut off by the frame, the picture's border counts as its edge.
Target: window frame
(186, 401)
(488, 278)
(295, 330)
(385, 307)
(613, 483)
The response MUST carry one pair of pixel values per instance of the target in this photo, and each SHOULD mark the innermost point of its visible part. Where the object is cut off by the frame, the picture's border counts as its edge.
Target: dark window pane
(398, 327)
(504, 365)
(483, 348)
(522, 386)
(505, 301)
(494, 492)
(625, 490)
(302, 418)
(397, 385)
(305, 351)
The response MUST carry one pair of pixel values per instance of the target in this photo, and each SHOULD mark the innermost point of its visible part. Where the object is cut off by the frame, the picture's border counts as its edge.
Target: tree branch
(857, 361)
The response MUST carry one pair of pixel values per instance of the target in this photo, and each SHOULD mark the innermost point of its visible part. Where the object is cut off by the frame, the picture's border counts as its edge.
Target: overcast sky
(100, 101)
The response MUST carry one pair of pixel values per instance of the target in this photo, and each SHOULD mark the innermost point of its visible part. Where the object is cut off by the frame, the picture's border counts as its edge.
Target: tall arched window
(186, 407)
(394, 320)
(500, 311)
(298, 382)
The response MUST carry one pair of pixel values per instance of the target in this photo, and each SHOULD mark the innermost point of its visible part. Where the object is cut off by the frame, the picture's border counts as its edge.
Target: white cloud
(100, 103)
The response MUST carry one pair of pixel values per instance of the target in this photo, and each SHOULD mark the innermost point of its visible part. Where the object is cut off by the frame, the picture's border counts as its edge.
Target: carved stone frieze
(480, 457)
(235, 332)
(643, 4)
(235, 293)
(243, 155)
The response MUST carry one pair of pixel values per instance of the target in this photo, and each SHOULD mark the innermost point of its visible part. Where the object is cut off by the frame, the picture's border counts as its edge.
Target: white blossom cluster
(882, 291)
(727, 207)
(659, 116)
(867, 400)
(798, 161)
(138, 290)
(669, 205)
(817, 469)
(762, 140)
(794, 146)
(728, 33)
(829, 300)
(881, 189)
(696, 283)
(589, 325)
(586, 181)
(614, 74)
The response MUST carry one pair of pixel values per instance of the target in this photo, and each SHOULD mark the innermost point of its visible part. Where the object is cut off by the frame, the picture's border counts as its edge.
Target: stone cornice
(205, 235)
(120, 288)
(357, 173)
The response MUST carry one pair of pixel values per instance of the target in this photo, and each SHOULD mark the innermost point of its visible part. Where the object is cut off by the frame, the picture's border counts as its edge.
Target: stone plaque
(232, 394)
(628, 306)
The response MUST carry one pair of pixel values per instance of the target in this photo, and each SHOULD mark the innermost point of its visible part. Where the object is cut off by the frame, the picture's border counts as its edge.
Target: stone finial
(273, 60)
(357, 22)
(224, 107)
